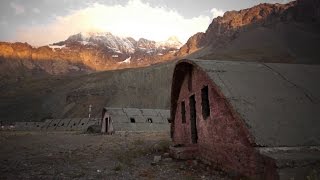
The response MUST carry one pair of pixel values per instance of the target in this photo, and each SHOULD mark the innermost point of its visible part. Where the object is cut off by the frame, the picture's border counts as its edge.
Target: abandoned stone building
(123, 119)
(258, 120)
(134, 119)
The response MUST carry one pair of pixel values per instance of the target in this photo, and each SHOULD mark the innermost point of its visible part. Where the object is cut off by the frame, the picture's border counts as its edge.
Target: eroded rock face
(193, 44)
(224, 29)
(275, 20)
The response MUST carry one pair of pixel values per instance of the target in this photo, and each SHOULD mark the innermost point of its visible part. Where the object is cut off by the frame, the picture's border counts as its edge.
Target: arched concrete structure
(134, 119)
(246, 116)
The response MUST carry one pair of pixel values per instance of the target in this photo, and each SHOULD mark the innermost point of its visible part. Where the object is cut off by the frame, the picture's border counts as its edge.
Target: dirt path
(62, 155)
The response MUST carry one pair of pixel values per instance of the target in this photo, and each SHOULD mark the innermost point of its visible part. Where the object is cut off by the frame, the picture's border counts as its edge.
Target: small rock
(195, 162)
(166, 155)
(157, 159)
(167, 159)
(98, 170)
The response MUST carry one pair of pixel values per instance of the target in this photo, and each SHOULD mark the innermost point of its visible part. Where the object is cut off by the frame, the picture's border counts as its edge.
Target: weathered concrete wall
(74, 124)
(30, 126)
(253, 107)
(222, 137)
(122, 119)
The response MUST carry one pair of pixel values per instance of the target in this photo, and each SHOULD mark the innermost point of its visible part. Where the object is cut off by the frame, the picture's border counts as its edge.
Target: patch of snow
(150, 51)
(74, 68)
(115, 55)
(84, 42)
(128, 60)
(160, 54)
(54, 47)
(172, 42)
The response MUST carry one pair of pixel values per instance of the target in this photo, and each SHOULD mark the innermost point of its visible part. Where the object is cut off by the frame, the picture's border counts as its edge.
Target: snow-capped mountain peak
(123, 50)
(172, 42)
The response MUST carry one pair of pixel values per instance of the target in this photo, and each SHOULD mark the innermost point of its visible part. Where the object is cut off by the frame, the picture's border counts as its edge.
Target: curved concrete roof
(280, 103)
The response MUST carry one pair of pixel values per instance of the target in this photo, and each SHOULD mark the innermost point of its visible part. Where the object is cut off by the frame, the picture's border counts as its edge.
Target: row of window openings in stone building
(132, 120)
(149, 120)
(63, 124)
(205, 105)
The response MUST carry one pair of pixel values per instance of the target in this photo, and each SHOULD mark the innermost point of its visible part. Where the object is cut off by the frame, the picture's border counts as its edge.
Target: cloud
(19, 9)
(135, 19)
(36, 10)
(216, 12)
(3, 23)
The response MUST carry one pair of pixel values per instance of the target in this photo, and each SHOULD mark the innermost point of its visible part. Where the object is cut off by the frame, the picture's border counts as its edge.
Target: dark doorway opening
(193, 119)
(205, 102)
(183, 112)
(107, 119)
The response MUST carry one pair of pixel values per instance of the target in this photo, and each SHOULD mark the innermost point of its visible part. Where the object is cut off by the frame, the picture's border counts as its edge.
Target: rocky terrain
(287, 33)
(85, 156)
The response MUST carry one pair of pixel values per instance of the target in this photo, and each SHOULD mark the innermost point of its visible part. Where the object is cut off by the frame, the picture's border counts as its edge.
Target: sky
(43, 22)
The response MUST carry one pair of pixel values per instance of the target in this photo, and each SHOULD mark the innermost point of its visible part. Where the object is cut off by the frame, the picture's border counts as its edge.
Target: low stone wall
(71, 124)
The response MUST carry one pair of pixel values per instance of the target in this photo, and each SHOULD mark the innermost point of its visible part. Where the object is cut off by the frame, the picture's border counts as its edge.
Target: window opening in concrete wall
(190, 81)
(205, 105)
(132, 120)
(183, 112)
(193, 119)
(149, 120)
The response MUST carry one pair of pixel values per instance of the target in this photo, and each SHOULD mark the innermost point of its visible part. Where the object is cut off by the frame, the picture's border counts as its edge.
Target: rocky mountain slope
(35, 99)
(267, 32)
(82, 53)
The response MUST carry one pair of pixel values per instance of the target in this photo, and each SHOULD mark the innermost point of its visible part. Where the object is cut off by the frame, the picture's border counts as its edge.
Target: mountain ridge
(284, 33)
(82, 53)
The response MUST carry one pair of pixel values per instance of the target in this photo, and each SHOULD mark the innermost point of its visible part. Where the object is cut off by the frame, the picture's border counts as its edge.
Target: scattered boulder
(157, 159)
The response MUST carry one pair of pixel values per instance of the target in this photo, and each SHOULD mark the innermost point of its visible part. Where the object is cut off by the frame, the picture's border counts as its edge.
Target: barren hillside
(287, 33)
(34, 99)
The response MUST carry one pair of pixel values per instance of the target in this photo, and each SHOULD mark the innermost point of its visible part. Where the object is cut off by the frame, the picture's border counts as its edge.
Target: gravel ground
(70, 155)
